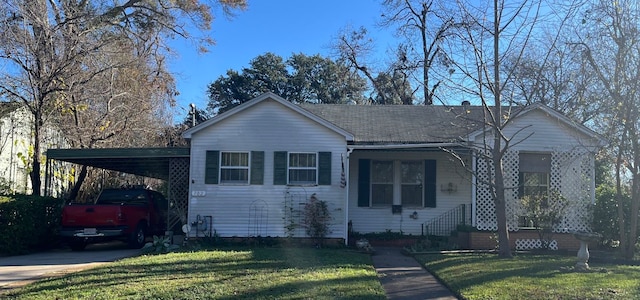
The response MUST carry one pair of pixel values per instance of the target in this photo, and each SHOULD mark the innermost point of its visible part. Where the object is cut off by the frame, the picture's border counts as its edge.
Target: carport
(169, 164)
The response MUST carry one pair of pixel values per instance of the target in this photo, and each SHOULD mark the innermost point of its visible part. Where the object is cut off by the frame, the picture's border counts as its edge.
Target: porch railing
(444, 224)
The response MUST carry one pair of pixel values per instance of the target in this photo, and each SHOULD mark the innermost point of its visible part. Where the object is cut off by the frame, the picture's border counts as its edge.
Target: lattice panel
(571, 175)
(178, 191)
(485, 206)
(511, 167)
(529, 244)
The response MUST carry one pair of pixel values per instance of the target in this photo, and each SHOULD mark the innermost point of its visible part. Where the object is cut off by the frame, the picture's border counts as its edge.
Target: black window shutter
(429, 183)
(364, 177)
(212, 164)
(257, 167)
(324, 168)
(280, 168)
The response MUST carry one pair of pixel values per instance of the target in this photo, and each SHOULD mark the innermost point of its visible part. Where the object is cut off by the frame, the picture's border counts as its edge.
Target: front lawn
(485, 276)
(263, 273)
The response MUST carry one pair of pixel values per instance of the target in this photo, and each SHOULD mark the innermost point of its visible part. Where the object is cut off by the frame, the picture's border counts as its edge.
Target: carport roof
(150, 162)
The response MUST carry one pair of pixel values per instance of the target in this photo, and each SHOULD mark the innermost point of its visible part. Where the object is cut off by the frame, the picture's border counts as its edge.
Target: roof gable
(554, 115)
(188, 134)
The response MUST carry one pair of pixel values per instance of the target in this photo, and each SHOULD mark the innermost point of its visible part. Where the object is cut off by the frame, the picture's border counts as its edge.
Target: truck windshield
(129, 197)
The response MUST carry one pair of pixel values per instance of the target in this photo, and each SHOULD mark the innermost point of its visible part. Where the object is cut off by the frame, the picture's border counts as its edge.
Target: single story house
(379, 168)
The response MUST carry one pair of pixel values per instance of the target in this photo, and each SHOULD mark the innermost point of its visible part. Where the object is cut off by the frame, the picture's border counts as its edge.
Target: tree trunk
(80, 179)
(35, 162)
(504, 250)
(619, 198)
(633, 218)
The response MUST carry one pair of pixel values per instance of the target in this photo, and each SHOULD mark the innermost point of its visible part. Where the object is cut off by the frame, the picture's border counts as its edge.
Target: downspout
(346, 188)
(474, 189)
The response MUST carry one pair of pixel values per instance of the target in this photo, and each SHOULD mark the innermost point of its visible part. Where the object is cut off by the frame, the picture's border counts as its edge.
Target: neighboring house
(16, 151)
(379, 168)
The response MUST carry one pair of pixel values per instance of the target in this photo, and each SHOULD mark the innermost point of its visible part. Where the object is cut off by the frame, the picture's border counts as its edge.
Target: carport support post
(47, 177)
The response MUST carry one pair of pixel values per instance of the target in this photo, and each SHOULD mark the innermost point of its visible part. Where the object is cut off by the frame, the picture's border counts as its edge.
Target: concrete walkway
(16, 271)
(404, 278)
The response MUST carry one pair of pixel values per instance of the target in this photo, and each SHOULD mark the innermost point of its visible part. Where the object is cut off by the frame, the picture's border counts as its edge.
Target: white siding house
(16, 150)
(379, 168)
(256, 203)
(15, 138)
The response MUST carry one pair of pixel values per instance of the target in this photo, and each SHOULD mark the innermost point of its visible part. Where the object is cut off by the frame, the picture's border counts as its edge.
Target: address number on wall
(198, 193)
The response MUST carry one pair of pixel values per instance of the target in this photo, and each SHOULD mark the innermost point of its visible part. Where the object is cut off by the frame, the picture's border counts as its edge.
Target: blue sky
(283, 27)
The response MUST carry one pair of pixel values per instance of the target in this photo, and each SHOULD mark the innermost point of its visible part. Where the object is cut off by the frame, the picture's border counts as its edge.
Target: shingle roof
(8, 107)
(401, 124)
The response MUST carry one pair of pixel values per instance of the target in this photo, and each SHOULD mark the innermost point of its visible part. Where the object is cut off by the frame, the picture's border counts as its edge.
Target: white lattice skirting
(529, 244)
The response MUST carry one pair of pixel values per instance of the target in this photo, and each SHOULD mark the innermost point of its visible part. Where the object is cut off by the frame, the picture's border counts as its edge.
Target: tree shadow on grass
(233, 274)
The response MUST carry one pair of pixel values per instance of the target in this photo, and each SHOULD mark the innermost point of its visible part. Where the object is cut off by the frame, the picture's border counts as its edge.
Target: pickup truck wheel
(77, 245)
(137, 238)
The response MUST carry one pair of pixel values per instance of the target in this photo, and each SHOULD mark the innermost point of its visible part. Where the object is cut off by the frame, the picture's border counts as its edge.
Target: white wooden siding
(249, 210)
(16, 140)
(374, 219)
(537, 131)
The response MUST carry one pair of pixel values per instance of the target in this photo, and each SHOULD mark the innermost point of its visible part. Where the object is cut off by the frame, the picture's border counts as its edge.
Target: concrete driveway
(22, 269)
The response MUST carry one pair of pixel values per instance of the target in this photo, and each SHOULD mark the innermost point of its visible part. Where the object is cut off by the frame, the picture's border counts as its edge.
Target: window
(302, 168)
(535, 169)
(381, 183)
(411, 183)
(234, 167)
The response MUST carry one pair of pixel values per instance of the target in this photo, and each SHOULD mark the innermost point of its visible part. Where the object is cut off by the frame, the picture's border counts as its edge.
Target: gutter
(402, 146)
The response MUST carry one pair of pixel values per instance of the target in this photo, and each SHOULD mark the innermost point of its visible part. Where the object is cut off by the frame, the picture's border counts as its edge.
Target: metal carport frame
(169, 164)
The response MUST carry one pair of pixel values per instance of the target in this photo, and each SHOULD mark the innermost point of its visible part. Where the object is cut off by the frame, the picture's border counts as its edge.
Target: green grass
(485, 276)
(263, 273)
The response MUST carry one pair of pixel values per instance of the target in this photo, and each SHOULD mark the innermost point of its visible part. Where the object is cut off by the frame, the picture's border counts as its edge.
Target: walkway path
(404, 278)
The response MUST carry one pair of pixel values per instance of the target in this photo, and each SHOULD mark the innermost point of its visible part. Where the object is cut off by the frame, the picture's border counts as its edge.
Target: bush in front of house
(316, 219)
(605, 214)
(28, 223)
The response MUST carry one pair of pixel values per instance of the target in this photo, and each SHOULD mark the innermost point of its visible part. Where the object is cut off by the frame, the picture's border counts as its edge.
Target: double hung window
(409, 183)
(412, 180)
(303, 168)
(381, 183)
(234, 167)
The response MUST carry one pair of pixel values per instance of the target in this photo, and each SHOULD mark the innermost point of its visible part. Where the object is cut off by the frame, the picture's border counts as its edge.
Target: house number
(198, 193)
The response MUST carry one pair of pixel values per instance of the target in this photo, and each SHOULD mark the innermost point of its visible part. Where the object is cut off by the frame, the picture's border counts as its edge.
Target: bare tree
(489, 33)
(422, 30)
(552, 73)
(47, 44)
(421, 19)
(609, 40)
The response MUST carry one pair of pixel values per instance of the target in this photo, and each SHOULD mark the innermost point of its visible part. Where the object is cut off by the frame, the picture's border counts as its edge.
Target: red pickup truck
(128, 214)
